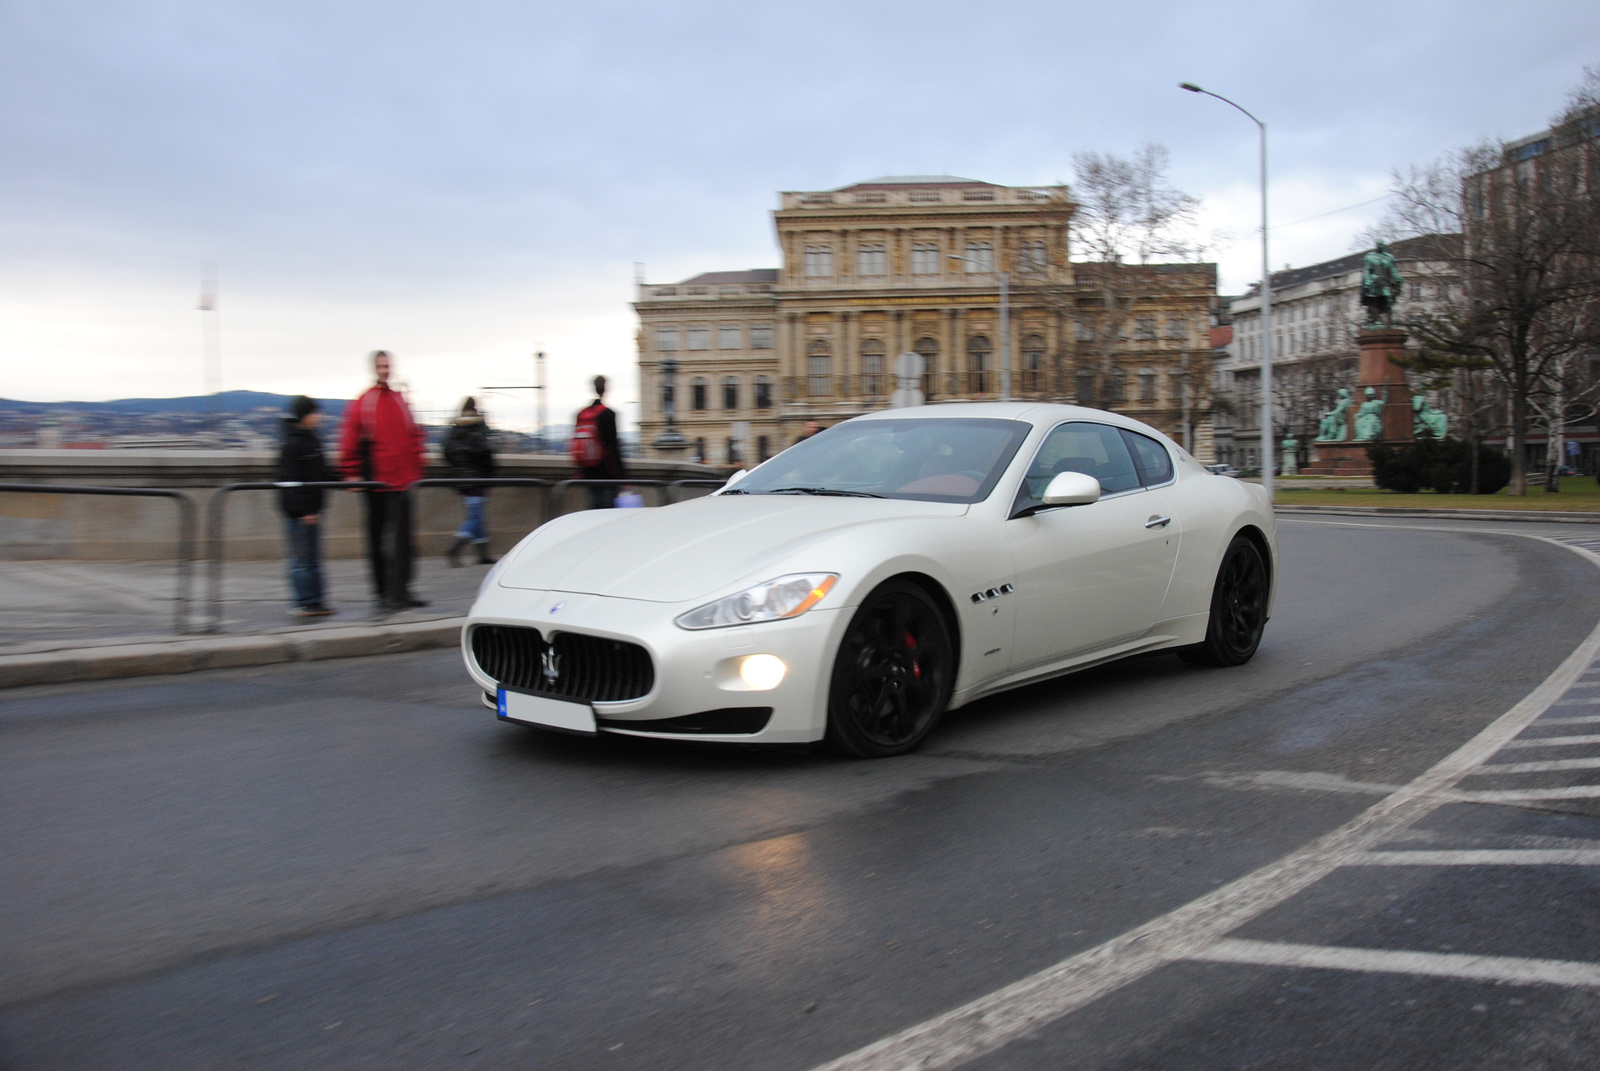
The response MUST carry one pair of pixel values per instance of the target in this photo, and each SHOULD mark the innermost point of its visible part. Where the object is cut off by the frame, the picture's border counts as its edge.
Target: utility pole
(210, 342)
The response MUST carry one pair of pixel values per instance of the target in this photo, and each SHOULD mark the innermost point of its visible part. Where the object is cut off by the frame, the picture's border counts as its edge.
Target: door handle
(1158, 522)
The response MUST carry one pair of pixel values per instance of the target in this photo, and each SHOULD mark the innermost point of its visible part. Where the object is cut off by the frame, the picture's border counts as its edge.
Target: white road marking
(1483, 857)
(1545, 766)
(1555, 741)
(1525, 795)
(1019, 1009)
(1581, 719)
(1591, 701)
(1503, 969)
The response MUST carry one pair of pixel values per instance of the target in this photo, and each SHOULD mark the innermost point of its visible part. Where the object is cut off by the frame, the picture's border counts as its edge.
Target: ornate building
(914, 263)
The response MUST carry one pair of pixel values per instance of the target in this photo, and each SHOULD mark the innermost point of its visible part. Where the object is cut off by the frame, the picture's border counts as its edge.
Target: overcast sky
(462, 183)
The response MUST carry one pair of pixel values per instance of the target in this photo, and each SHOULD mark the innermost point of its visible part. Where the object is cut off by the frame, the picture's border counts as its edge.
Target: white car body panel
(627, 574)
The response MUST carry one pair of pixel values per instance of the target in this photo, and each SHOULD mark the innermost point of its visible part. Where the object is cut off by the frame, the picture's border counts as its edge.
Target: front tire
(892, 676)
(1238, 609)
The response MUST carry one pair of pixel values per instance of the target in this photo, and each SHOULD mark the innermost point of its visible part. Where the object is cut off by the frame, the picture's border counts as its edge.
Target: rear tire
(1238, 609)
(892, 676)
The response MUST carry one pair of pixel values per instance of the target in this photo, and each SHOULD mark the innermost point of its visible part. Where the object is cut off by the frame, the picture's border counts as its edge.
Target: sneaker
(319, 610)
(414, 603)
(302, 611)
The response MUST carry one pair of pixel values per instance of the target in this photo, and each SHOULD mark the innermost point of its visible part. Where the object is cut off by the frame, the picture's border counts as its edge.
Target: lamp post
(1005, 324)
(1266, 298)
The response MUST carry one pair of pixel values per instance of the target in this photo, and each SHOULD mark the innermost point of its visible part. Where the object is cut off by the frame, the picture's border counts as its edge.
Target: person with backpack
(381, 441)
(596, 450)
(470, 456)
(301, 462)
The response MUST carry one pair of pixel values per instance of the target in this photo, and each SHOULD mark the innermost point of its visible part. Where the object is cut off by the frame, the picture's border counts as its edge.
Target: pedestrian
(467, 450)
(596, 450)
(381, 441)
(811, 428)
(300, 462)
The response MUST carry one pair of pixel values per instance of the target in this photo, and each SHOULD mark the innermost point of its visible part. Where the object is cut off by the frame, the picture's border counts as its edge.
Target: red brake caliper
(916, 667)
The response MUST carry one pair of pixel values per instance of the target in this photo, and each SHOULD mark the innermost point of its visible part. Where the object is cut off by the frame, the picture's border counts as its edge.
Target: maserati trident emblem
(557, 607)
(550, 663)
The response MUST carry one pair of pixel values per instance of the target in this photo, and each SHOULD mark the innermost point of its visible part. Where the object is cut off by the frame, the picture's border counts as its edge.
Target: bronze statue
(1380, 285)
(1369, 418)
(1335, 425)
(1426, 420)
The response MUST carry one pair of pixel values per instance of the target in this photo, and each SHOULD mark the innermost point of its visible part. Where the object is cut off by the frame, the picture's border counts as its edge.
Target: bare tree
(1529, 260)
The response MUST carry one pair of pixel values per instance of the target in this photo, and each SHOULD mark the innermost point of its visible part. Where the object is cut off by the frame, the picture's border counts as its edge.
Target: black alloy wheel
(892, 676)
(1238, 609)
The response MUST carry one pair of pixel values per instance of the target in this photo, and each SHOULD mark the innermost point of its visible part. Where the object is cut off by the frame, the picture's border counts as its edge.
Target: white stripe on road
(1509, 970)
(1545, 766)
(1555, 741)
(1019, 1009)
(1580, 719)
(1525, 795)
(1591, 701)
(1483, 857)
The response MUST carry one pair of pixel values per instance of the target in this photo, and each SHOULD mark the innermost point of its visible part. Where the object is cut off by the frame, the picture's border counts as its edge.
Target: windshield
(930, 459)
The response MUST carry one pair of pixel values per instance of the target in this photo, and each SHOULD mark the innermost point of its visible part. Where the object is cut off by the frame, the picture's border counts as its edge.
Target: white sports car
(869, 578)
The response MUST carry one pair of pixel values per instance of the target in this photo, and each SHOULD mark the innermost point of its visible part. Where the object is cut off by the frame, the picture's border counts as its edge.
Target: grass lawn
(1577, 493)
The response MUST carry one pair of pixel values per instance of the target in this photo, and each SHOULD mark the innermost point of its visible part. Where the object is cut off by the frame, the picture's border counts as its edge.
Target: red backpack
(587, 449)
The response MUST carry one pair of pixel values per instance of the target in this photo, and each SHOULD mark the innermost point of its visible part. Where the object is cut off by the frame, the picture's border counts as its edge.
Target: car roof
(1037, 413)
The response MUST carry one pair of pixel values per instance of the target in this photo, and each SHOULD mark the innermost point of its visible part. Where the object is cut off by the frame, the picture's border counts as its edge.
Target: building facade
(1316, 316)
(915, 264)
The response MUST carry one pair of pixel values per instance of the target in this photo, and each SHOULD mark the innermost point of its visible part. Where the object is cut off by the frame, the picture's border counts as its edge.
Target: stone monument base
(1340, 459)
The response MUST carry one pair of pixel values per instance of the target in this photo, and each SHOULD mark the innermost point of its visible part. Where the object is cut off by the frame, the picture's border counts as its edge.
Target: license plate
(550, 713)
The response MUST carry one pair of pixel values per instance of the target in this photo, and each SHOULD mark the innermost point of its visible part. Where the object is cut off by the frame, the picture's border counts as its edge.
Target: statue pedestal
(1379, 347)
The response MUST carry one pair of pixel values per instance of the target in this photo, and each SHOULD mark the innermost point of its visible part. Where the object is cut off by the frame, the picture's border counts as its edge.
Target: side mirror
(1072, 489)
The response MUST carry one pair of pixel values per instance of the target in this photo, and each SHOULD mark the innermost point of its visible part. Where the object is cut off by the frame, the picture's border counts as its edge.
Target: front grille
(590, 669)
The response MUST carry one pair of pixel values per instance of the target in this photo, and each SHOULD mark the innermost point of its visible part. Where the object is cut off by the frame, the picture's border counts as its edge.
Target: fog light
(762, 672)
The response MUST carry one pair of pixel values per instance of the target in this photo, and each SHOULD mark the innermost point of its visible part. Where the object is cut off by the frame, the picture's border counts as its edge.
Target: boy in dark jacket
(301, 462)
(469, 454)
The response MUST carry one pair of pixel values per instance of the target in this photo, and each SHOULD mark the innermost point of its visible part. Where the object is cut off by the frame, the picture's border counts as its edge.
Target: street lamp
(1266, 299)
(1005, 324)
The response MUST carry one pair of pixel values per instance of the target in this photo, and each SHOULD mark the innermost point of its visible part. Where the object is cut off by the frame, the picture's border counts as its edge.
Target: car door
(1088, 576)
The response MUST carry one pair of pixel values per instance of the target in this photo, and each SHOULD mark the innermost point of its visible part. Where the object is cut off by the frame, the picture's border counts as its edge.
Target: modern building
(915, 263)
(1316, 315)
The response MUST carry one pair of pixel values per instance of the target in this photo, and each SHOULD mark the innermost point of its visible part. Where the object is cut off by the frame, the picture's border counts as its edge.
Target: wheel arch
(1262, 544)
(941, 598)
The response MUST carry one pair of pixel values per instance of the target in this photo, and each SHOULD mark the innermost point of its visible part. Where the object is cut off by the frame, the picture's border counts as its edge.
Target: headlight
(787, 596)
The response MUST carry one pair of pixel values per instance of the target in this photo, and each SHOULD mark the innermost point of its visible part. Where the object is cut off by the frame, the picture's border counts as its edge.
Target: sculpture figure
(1369, 418)
(1335, 426)
(1425, 418)
(1291, 449)
(1380, 285)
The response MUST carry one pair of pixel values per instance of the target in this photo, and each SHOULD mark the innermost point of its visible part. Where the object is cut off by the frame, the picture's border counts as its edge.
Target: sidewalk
(71, 621)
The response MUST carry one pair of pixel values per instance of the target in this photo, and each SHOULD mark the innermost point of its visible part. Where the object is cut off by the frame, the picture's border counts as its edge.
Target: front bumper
(695, 672)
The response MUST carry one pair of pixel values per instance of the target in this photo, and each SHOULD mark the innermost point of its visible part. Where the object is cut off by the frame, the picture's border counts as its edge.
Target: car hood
(675, 553)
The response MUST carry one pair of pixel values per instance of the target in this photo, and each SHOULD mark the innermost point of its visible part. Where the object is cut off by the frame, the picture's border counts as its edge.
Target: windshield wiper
(821, 491)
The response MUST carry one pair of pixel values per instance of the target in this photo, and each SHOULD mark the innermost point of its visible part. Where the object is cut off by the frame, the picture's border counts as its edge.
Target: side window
(1154, 461)
(1080, 447)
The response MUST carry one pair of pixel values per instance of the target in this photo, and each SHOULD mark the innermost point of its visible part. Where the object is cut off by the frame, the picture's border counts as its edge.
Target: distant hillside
(232, 401)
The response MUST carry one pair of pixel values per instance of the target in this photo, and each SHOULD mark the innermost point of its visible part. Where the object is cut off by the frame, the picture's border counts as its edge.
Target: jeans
(305, 562)
(474, 529)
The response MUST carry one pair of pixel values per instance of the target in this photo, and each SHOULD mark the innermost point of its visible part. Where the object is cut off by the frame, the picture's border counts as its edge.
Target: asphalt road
(353, 864)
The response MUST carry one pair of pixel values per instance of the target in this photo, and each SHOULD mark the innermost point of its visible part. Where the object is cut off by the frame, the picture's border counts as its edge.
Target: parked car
(857, 585)
(1223, 470)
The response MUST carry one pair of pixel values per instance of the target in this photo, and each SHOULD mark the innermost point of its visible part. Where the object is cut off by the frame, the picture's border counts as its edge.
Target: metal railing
(215, 518)
(668, 488)
(187, 513)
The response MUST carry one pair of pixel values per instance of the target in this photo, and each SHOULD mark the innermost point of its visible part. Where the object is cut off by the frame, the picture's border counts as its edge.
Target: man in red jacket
(379, 440)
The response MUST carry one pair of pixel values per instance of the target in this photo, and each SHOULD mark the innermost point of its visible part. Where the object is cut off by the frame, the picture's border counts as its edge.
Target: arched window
(697, 394)
(1085, 386)
(1116, 387)
(1147, 385)
(929, 349)
(819, 370)
(730, 392)
(763, 394)
(872, 367)
(1032, 361)
(979, 353)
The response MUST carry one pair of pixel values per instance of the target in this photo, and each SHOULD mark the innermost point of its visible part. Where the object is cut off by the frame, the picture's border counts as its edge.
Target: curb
(224, 652)
(1549, 516)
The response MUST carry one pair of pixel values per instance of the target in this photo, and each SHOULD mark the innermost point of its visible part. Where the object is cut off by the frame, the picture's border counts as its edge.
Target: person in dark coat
(470, 456)
(600, 421)
(301, 462)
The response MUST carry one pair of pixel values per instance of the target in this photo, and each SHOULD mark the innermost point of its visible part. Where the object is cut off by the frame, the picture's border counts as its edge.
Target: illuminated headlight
(787, 596)
(762, 672)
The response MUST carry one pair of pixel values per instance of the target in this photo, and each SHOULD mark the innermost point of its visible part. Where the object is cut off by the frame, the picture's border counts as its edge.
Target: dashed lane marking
(1555, 741)
(1503, 969)
(1482, 857)
(1528, 795)
(1544, 766)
